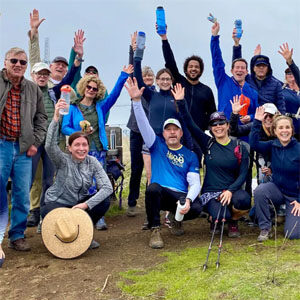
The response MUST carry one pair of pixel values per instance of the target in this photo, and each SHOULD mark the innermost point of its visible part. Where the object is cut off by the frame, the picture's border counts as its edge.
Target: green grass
(246, 272)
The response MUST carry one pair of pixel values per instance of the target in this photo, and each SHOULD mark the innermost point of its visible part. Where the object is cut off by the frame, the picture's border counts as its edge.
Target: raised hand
(286, 53)
(35, 21)
(235, 105)
(260, 113)
(215, 29)
(235, 39)
(257, 50)
(61, 104)
(128, 69)
(78, 42)
(133, 40)
(133, 90)
(178, 92)
(164, 35)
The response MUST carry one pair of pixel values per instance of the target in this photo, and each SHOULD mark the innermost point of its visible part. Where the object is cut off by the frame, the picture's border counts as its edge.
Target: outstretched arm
(135, 94)
(237, 47)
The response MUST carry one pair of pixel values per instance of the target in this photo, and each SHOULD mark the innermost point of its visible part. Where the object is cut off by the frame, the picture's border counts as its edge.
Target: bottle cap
(66, 88)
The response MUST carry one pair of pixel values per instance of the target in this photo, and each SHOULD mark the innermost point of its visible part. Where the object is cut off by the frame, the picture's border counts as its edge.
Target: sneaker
(233, 229)
(176, 227)
(264, 235)
(218, 228)
(131, 211)
(19, 245)
(94, 245)
(156, 241)
(34, 218)
(101, 225)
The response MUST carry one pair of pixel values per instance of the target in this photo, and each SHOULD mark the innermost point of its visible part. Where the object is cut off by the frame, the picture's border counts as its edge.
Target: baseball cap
(270, 108)
(217, 115)
(60, 58)
(172, 121)
(40, 66)
(91, 69)
(262, 60)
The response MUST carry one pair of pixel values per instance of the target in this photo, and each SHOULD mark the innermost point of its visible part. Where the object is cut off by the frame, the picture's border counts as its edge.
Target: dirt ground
(39, 275)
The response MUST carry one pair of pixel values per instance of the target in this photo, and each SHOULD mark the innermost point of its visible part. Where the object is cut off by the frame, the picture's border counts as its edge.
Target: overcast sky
(109, 23)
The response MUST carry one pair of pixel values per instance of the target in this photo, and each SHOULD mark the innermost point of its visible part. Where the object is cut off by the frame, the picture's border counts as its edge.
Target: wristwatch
(80, 59)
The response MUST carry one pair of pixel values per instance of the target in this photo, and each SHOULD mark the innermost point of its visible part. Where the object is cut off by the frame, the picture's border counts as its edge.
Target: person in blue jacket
(285, 161)
(229, 87)
(261, 79)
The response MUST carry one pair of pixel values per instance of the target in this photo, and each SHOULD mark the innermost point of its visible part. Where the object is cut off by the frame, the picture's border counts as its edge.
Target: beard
(192, 78)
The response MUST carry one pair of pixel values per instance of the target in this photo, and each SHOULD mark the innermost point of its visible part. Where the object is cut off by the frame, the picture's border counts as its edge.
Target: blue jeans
(267, 192)
(3, 210)
(18, 167)
(48, 170)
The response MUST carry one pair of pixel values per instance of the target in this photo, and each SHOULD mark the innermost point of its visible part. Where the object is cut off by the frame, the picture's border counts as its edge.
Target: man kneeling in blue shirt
(175, 171)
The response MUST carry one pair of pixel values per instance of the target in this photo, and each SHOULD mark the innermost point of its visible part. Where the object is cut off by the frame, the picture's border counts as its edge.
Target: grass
(245, 273)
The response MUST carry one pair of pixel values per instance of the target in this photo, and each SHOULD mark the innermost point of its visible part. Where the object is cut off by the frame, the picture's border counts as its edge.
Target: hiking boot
(218, 228)
(19, 245)
(94, 245)
(101, 225)
(233, 229)
(176, 227)
(156, 241)
(34, 218)
(264, 235)
(131, 211)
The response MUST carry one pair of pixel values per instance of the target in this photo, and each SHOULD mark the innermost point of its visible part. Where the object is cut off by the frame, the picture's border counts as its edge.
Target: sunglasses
(15, 60)
(218, 123)
(91, 72)
(94, 89)
(268, 115)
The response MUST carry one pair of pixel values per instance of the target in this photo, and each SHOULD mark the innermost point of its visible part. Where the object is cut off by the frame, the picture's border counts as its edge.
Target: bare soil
(39, 275)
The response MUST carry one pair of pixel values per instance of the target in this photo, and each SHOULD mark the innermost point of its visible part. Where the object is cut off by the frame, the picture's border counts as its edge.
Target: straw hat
(66, 232)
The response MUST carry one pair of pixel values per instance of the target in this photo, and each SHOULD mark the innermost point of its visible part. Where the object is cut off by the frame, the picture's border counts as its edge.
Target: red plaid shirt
(10, 125)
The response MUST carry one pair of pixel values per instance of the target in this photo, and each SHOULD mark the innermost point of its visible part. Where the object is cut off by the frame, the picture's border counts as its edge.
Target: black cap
(60, 59)
(91, 69)
(262, 60)
(217, 115)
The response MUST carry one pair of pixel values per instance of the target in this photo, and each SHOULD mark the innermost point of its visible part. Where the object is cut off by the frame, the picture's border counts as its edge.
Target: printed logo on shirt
(177, 160)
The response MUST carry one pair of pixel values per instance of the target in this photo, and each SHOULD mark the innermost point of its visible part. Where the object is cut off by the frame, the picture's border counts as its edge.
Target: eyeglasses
(15, 61)
(94, 89)
(218, 123)
(165, 79)
(42, 74)
(91, 72)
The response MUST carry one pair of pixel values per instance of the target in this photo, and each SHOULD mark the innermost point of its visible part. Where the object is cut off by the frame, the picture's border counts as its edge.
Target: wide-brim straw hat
(66, 232)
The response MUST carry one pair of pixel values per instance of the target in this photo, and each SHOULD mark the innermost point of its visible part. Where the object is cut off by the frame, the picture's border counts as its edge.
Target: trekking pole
(212, 239)
(221, 238)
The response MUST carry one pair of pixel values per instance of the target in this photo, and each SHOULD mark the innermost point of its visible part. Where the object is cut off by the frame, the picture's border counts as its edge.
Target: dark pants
(240, 200)
(263, 195)
(137, 164)
(95, 213)
(48, 170)
(160, 198)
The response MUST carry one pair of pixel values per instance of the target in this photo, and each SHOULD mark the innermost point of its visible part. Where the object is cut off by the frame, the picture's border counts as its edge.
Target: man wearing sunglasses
(22, 129)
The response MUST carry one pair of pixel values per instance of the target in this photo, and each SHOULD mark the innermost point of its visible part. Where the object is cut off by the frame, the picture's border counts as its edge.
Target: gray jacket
(32, 111)
(74, 178)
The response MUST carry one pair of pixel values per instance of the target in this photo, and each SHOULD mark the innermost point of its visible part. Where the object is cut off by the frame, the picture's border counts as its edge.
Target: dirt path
(38, 275)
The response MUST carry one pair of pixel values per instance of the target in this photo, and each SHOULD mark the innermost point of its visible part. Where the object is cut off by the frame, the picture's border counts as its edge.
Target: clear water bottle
(180, 205)
(160, 20)
(65, 94)
(140, 45)
(112, 139)
(238, 26)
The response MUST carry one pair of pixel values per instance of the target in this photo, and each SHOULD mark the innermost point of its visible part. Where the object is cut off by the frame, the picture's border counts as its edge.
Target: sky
(108, 25)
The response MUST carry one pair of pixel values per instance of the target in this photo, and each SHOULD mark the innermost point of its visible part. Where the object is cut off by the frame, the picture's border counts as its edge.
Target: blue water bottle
(160, 20)
(238, 26)
(140, 45)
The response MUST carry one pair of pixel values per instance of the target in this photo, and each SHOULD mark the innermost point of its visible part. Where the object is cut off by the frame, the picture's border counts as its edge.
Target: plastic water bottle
(160, 20)
(238, 26)
(65, 94)
(112, 139)
(140, 45)
(180, 205)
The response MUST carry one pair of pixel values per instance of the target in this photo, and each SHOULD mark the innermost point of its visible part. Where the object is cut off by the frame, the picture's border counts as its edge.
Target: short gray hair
(15, 50)
(147, 70)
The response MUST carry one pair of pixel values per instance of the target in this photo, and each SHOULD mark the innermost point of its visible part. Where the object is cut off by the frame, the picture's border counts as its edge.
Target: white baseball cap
(40, 66)
(172, 121)
(270, 108)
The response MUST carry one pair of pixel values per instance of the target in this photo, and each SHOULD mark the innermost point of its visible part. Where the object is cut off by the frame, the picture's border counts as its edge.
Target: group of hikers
(175, 130)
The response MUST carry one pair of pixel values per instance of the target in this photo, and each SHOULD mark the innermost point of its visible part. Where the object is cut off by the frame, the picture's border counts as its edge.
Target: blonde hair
(84, 81)
(16, 51)
(278, 118)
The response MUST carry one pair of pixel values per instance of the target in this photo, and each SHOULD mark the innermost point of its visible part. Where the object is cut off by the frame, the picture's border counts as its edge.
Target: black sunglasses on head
(91, 71)
(15, 60)
(221, 122)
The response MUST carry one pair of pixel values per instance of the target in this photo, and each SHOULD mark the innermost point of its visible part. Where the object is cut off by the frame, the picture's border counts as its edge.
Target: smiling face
(260, 71)
(91, 90)
(164, 81)
(290, 79)
(41, 78)
(220, 129)
(284, 131)
(58, 70)
(79, 148)
(16, 65)
(172, 135)
(193, 71)
(239, 71)
(268, 121)
(148, 79)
